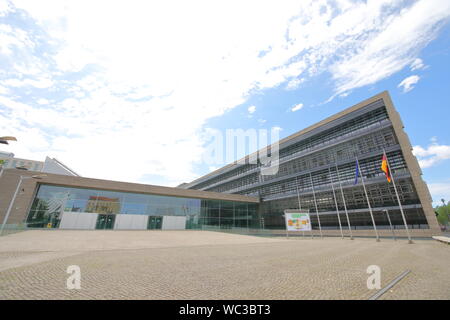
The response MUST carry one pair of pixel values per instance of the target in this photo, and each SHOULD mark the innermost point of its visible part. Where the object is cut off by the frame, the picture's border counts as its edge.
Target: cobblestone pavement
(212, 265)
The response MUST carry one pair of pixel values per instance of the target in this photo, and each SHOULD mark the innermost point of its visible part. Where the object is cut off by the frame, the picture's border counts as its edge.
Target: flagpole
(368, 202)
(298, 194)
(335, 202)
(299, 203)
(345, 203)
(398, 198)
(315, 203)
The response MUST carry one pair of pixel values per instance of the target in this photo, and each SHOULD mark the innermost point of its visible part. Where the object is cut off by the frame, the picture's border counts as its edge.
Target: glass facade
(50, 201)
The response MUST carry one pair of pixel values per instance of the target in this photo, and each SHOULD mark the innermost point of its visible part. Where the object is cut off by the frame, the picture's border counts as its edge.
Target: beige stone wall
(8, 182)
(412, 164)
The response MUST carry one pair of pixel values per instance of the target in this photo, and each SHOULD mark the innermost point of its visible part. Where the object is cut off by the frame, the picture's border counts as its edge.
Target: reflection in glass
(101, 204)
(51, 201)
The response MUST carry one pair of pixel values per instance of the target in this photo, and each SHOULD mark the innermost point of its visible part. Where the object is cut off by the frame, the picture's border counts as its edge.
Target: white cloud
(11, 38)
(276, 128)
(439, 190)
(3, 90)
(381, 43)
(344, 94)
(294, 84)
(42, 101)
(297, 107)
(359, 43)
(408, 83)
(37, 83)
(251, 109)
(432, 155)
(5, 7)
(417, 64)
(157, 73)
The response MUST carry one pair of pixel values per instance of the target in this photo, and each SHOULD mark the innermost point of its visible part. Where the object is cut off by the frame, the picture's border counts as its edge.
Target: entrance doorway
(154, 222)
(105, 221)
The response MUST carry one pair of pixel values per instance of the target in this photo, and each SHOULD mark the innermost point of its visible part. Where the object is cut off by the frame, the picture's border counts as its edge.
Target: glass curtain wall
(51, 201)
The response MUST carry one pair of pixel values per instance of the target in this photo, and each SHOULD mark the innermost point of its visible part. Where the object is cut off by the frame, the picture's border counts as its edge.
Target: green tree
(442, 213)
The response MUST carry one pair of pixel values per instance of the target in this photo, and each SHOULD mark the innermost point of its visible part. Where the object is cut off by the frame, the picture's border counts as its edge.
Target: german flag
(385, 167)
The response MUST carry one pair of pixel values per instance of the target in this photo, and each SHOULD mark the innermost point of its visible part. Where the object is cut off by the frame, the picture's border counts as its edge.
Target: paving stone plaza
(214, 265)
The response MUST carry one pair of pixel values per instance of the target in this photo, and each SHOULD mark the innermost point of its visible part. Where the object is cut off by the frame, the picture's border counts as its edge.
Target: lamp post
(4, 140)
(38, 176)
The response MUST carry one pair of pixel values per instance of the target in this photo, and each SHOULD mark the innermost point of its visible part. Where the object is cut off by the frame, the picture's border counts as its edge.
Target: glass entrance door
(105, 221)
(154, 222)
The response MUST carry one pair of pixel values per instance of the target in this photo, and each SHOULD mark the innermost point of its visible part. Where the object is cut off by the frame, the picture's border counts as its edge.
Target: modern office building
(322, 157)
(8, 161)
(50, 165)
(316, 172)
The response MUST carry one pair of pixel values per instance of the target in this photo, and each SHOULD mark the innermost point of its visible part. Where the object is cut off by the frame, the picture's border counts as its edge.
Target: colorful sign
(296, 221)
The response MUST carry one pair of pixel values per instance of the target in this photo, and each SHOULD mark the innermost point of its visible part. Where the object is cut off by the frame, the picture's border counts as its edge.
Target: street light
(38, 176)
(5, 140)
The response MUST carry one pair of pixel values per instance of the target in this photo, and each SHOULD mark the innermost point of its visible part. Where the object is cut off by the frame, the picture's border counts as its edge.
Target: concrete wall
(413, 165)
(9, 179)
(131, 222)
(78, 220)
(174, 223)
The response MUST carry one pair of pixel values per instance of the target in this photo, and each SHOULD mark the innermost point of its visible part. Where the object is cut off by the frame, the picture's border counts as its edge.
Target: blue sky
(131, 90)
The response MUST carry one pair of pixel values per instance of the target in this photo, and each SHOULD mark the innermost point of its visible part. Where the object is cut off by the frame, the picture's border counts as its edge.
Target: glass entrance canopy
(51, 201)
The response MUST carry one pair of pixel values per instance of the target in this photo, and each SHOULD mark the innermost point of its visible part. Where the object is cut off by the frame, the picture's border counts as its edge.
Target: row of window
(224, 223)
(346, 151)
(415, 219)
(370, 168)
(343, 152)
(380, 195)
(363, 121)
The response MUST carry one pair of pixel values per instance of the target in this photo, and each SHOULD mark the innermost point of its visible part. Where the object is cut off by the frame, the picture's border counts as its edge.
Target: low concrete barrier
(442, 239)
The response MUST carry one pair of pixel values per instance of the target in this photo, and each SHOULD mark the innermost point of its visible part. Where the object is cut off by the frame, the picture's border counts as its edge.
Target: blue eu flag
(356, 172)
